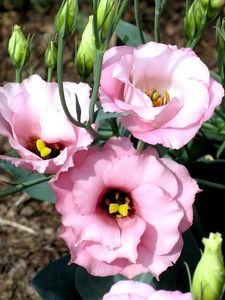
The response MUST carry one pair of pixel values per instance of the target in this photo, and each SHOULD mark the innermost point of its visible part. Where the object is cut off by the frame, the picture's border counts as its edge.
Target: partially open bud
(18, 48)
(65, 20)
(209, 276)
(195, 19)
(86, 52)
(51, 55)
(105, 12)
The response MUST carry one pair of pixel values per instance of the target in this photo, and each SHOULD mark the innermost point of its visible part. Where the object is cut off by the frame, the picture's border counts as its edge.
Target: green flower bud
(86, 52)
(195, 19)
(105, 12)
(18, 48)
(51, 55)
(209, 276)
(65, 20)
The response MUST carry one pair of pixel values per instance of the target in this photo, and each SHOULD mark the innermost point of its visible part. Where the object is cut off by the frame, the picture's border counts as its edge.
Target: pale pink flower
(123, 212)
(167, 91)
(134, 290)
(32, 118)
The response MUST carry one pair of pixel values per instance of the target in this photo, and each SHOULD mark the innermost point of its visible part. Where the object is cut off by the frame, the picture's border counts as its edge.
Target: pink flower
(32, 118)
(167, 91)
(123, 212)
(134, 290)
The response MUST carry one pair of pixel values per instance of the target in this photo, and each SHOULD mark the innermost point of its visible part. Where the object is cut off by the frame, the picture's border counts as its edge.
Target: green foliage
(128, 34)
(56, 281)
(41, 191)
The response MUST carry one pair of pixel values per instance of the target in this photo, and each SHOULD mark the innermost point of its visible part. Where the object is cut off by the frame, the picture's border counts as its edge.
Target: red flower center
(45, 150)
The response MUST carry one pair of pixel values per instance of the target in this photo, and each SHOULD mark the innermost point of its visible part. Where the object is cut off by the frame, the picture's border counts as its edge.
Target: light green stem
(50, 73)
(97, 76)
(138, 21)
(157, 22)
(18, 73)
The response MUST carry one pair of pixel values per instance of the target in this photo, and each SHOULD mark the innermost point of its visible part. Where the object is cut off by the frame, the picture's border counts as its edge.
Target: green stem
(20, 187)
(50, 73)
(119, 14)
(138, 21)
(157, 22)
(18, 73)
(61, 48)
(97, 76)
(210, 184)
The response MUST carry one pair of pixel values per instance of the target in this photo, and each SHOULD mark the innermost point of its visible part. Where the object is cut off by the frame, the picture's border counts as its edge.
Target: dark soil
(26, 250)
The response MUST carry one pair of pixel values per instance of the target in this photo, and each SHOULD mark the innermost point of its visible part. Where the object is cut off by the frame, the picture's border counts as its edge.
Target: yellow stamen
(123, 209)
(40, 145)
(45, 151)
(113, 208)
(42, 149)
(166, 98)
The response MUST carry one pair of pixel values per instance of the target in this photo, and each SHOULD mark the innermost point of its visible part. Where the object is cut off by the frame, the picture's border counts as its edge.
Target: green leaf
(129, 35)
(56, 281)
(104, 116)
(94, 287)
(41, 191)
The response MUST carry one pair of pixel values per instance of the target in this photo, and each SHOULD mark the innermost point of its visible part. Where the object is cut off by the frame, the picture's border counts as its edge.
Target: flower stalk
(22, 186)
(138, 21)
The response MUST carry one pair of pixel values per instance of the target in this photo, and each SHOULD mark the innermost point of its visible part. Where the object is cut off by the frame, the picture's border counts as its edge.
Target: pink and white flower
(134, 290)
(32, 118)
(123, 212)
(167, 91)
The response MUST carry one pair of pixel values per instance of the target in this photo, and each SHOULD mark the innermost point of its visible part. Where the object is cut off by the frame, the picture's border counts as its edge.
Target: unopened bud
(18, 48)
(65, 20)
(86, 52)
(209, 276)
(105, 12)
(195, 19)
(51, 55)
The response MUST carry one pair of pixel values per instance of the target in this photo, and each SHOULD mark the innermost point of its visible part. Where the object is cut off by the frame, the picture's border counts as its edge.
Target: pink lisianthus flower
(168, 92)
(134, 290)
(123, 212)
(32, 118)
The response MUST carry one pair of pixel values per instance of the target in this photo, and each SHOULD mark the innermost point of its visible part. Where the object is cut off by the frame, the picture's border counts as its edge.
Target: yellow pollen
(123, 209)
(40, 144)
(42, 149)
(45, 151)
(113, 208)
